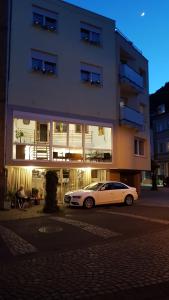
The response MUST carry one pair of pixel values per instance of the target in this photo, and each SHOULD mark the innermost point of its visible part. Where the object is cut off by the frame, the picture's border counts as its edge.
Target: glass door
(42, 132)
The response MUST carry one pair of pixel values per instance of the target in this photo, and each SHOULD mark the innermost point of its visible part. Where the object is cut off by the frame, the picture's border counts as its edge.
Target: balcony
(131, 118)
(131, 79)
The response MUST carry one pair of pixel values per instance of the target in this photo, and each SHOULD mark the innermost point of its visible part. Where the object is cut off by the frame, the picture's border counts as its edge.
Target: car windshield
(93, 186)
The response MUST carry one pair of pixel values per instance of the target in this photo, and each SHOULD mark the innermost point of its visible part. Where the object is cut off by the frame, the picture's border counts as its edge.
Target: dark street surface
(109, 252)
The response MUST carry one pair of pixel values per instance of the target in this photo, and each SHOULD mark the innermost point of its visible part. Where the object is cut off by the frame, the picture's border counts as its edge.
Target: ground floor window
(33, 179)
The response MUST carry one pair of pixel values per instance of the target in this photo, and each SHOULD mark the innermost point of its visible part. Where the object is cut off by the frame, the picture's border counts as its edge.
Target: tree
(154, 168)
(51, 192)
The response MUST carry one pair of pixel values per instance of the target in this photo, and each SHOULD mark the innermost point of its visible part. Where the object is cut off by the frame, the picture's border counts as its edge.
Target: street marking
(15, 243)
(96, 230)
(160, 221)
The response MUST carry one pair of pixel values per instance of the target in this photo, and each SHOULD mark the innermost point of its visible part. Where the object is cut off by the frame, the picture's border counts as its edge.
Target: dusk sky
(146, 24)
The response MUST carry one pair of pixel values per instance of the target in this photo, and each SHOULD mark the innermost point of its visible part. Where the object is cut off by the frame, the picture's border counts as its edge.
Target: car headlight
(76, 197)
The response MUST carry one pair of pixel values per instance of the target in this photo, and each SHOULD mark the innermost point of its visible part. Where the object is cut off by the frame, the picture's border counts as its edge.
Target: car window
(93, 186)
(114, 186)
(109, 186)
(118, 186)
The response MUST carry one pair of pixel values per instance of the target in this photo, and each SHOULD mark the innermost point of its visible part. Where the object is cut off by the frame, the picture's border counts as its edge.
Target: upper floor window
(161, 147)
(44, 18)
(161, 125)
(43, 62)
(90, 34)
(60, 127)
(167, 146)
(91, 74)
(78, 128)
(142, 108)
(138, 146)
(161, 109)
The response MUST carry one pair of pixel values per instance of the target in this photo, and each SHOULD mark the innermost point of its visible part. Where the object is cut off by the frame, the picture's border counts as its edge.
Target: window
(79, 140)
(100, 130)
(37, 64)
(167, 146)
(85, 75)
(50, 24)
(78, 128)
(161, 147)
(44, 18)
(85, 34)
(161, 109)
(37, 19)
(86, 128)
(95, 78)
(138, 146)
(50, 67)
(90, 34)
(91, 74)
(60, 127)
(161, 125)
(43, 62)
(142, 108)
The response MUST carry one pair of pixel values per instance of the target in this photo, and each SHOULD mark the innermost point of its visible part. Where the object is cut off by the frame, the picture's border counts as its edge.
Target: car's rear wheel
(88, 203)
(128, 200)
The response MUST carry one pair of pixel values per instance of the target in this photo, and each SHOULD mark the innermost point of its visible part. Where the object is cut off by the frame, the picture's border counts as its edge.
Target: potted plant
(9, 200)
(19, 134)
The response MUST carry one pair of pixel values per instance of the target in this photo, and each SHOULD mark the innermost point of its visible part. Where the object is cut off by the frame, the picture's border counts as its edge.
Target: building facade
(74, 98)
(159, 114)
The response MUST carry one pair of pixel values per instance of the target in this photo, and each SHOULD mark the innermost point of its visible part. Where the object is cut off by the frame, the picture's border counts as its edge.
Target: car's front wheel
(128, 200)
(88, 203)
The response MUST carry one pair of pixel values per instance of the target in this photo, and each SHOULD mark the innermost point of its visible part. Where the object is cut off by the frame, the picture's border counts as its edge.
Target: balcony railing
(129, 76)
(131, 118)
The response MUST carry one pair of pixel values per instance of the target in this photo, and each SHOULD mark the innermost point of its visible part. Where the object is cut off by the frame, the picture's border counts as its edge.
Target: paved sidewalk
(158, 198)
(15, 213)
(149, 198)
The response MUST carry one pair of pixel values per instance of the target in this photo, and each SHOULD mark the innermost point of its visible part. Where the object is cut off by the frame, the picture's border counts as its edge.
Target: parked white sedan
(105, 192)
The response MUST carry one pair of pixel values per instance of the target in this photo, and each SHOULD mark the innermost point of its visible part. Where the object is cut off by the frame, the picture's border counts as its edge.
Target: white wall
(65, 92)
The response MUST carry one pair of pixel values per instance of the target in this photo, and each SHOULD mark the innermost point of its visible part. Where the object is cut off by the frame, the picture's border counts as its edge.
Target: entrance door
(42, 132)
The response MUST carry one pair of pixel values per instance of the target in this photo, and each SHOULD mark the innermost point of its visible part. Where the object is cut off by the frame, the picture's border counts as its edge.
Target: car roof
(108, 181)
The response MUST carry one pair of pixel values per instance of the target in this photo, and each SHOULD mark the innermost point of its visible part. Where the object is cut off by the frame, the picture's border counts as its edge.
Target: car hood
(79, 192)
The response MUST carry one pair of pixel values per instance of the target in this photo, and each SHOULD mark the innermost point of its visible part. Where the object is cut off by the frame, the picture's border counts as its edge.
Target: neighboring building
(74, 97)
(159, 114)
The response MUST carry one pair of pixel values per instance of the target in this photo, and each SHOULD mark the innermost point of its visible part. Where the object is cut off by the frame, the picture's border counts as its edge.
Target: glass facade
(61, 141)
(68, 179)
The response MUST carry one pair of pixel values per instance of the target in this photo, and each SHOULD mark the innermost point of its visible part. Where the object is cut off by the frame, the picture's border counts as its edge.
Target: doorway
(42, 132)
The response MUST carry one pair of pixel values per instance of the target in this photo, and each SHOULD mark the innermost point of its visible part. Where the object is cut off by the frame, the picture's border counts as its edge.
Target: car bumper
(73, 202)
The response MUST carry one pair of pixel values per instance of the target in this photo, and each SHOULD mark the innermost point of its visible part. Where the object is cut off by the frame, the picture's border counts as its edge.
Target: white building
(76, 95)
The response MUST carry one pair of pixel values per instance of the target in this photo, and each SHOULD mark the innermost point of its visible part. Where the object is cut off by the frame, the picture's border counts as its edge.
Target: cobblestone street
(105, 253)
(93, 272)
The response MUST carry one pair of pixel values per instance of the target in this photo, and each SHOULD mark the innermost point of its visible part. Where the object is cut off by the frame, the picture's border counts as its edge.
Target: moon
(142, 14)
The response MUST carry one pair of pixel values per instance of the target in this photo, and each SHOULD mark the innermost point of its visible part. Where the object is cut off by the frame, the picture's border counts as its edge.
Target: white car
(105, 192)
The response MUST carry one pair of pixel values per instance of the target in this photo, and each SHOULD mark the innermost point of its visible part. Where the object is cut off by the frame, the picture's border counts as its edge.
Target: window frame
(89, 32)
(91, 74)
(46, 63)
(139, 146)
(44, 15)
(61, 127)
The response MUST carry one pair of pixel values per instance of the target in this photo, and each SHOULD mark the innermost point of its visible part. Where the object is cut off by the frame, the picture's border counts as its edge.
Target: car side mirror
(102, 188)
